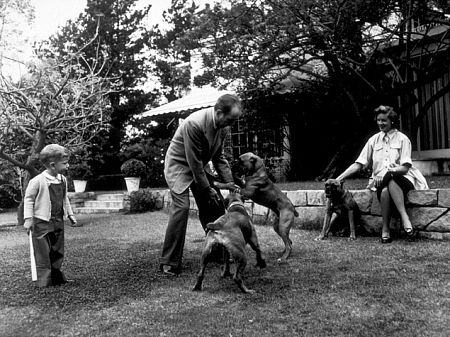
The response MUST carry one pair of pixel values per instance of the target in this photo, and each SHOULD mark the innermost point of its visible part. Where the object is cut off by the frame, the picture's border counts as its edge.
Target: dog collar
(236, 203)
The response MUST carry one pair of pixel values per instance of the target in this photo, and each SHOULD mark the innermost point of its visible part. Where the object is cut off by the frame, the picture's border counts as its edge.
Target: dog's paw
(320, 238)
(250, 291)
(352, 238)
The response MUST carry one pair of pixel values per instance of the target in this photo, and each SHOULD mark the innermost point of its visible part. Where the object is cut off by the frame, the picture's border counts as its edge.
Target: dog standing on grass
(251, 175)
(233, 230)
(340, 204)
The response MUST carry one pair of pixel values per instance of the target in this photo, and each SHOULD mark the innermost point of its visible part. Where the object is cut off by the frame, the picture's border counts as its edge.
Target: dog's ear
(256, 162)
(216, 225)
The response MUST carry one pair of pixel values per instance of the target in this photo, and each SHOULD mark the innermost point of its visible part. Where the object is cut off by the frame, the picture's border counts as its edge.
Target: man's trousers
(208, 211)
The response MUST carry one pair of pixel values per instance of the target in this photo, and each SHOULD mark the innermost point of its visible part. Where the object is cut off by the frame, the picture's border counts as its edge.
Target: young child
(45, 205)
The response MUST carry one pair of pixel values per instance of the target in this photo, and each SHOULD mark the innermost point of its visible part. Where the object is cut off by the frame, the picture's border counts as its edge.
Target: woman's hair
(53, 153)
(390, 112)
(226, 102)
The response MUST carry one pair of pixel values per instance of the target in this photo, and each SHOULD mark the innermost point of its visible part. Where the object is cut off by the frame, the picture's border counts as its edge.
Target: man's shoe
(169, 270)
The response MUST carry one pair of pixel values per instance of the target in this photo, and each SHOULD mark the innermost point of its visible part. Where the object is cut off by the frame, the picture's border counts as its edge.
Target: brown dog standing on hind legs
(250, 173)
(233, 230)
(340, 204)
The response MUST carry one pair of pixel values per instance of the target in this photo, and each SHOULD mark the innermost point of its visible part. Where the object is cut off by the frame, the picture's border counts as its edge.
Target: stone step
(110, 197)
(90, 210)
(103, 204)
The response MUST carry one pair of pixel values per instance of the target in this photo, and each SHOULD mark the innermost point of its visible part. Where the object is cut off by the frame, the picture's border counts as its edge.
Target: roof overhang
(197, 99)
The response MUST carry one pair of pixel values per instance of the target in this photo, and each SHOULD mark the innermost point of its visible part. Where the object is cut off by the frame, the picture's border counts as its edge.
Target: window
(265, 142)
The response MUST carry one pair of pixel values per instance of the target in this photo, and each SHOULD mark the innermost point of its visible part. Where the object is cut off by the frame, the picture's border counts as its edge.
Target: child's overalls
(48, 241)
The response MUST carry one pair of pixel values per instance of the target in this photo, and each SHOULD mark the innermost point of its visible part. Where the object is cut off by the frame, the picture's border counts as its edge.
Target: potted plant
(79, 170)
(133, 170)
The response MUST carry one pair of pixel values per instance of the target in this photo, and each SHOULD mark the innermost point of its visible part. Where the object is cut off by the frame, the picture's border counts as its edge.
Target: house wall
(431, 145)
(434, 130)
(431, 142)
(269, 144)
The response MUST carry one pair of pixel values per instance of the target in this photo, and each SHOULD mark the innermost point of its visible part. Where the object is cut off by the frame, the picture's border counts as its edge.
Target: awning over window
(198, 98)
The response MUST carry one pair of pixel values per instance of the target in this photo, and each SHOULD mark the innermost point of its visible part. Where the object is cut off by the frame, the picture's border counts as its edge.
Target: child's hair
(53, 153)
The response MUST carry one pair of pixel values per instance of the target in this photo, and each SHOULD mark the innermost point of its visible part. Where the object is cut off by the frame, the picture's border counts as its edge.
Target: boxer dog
(340, 203)
(251, 175)
(233, 230)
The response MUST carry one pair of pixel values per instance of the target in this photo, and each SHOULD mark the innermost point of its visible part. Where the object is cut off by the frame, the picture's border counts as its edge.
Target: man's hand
(232, 187)
(212, 193)
(213, 197)
(28, 224)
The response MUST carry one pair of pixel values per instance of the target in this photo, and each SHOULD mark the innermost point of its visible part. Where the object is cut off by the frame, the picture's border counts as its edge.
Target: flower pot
(79, 185)
(132, 183)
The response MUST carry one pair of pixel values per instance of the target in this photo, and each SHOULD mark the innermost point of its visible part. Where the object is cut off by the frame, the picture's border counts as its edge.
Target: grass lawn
(328, 288)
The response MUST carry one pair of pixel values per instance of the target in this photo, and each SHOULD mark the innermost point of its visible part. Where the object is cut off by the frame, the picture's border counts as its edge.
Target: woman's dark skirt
(401, 181)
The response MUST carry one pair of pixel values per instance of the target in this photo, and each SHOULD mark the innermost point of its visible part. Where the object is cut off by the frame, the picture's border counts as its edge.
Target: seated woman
(388, 153)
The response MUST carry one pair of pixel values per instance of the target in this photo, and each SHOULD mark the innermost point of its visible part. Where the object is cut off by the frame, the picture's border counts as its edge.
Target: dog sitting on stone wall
(342, 211)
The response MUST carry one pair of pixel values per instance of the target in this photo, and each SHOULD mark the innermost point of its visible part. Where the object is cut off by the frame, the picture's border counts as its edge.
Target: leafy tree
(170, 65)
(172, 49)
(11, 34)
(57, 102)
(148, 141)
(121, 46)
(259, 45)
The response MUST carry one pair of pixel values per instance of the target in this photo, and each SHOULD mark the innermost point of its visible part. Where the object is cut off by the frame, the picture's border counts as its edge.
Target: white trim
(197, 99)
(431, 154)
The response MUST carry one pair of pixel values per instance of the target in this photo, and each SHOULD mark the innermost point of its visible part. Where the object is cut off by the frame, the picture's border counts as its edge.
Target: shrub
(79, 168)
(152, 152)
(145, 200)
(80, 171)
(9, 196)
(10, 185)
(133, 168)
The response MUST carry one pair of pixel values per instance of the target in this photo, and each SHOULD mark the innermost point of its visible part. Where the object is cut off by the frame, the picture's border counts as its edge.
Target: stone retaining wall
(428, 210)
(77, 199)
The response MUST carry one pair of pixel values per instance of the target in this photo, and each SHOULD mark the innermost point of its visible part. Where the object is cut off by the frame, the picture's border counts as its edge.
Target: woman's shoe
(386, 239)
(410, 234)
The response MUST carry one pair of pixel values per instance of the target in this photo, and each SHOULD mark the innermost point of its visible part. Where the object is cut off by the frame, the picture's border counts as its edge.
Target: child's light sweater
(37, 197)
